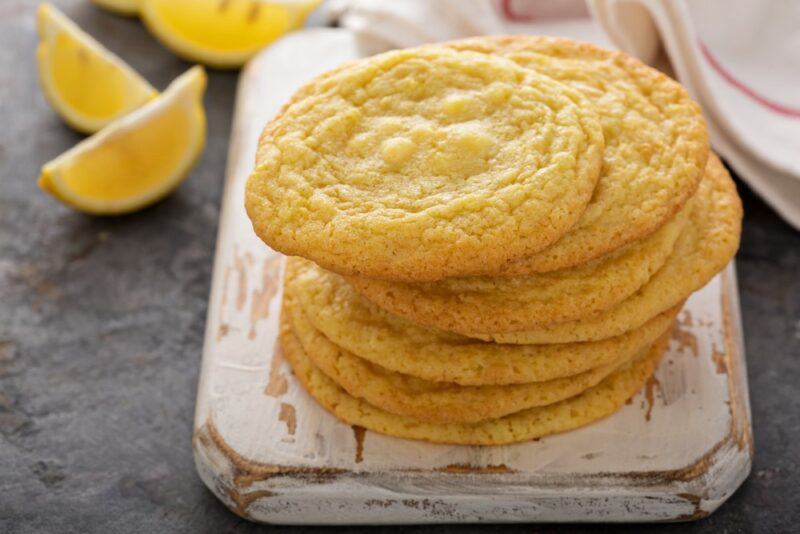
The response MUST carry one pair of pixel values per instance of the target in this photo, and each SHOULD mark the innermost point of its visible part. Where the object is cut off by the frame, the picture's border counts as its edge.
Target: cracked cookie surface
(656, 143)
(425, 163)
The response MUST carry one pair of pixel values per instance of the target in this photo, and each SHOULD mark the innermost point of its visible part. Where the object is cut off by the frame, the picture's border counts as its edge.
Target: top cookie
(425, 163)
(656, 144)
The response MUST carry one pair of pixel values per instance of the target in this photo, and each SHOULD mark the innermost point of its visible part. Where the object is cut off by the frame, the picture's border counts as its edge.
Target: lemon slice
(121, 7)
(84, 82)
(138, 159)
(222, 33)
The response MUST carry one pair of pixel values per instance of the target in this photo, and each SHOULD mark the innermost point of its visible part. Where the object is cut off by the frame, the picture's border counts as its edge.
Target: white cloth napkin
(387, 24)
(739, 59)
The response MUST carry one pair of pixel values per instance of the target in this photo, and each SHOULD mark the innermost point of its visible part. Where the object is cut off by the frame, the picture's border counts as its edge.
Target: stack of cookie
(492, 236)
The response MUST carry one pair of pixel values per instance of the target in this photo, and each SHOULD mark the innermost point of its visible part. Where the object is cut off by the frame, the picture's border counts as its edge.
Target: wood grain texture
(270, 453)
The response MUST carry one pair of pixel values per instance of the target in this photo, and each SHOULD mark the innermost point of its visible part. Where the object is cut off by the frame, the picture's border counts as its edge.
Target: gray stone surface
(101, 324)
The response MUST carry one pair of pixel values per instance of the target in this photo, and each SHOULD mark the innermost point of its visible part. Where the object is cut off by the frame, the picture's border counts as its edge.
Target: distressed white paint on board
(263, 446)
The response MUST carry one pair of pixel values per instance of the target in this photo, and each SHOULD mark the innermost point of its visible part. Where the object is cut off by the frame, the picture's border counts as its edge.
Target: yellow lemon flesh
(137, 160)
(87, 85)
(121, 7)
(222, 33)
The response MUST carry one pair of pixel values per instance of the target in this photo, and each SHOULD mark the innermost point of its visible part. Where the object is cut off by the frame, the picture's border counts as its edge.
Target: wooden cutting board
(271, 454)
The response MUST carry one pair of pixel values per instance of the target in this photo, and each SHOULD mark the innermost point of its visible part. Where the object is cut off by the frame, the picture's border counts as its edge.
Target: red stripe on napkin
(744, 88)
(513, 16)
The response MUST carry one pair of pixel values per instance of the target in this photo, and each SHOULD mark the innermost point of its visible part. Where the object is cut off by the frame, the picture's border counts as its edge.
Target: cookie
(591, 405)
(433, 402)
(656, 143)
(491, 304)
(424, 163)
(360, 327)
(704, 248)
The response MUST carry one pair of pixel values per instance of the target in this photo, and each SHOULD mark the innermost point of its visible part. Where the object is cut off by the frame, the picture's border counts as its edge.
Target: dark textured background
(101, 324)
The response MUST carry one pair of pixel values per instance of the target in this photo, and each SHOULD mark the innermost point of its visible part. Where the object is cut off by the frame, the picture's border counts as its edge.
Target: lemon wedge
(86, 84)
(121, 7)
(222, 33)
(138, 159)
